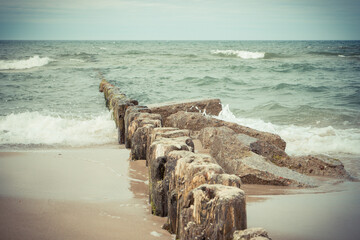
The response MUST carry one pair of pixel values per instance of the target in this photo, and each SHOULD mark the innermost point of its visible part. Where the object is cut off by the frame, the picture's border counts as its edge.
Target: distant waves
(31, 62)
(240, 54)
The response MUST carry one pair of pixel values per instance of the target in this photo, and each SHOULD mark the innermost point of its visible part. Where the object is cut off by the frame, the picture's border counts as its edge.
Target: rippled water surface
(306, 91)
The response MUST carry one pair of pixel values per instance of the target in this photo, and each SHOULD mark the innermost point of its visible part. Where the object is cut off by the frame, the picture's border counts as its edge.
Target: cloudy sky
(180, 19)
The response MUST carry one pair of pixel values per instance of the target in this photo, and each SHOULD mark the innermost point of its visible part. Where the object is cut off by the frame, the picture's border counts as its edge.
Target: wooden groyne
(200, 194)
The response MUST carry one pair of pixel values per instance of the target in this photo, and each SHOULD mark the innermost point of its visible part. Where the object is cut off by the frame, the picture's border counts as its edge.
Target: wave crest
(31, 128)
(32, 62)
(240, 54)
(304, 140)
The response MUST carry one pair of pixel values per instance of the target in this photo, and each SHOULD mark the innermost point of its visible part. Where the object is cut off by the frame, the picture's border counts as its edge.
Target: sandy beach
(75, 194)
(307, 214)
(97, 193)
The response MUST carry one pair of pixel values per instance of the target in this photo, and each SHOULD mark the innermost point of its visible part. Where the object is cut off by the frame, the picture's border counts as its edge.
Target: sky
(180, 19)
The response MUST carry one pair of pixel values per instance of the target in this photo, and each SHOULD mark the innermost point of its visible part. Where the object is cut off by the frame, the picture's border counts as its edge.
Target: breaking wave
(32, 62)
(304, 140)
(240, 54)
(34, 128)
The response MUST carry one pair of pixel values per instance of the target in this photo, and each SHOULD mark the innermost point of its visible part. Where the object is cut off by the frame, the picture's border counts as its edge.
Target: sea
(308, 92)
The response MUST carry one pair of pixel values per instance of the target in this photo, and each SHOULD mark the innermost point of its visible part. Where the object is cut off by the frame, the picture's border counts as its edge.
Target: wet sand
(98, 194)
(75, 194)
(327, 213)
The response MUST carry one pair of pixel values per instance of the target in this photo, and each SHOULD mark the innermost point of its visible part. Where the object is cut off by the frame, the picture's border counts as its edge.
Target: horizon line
(178, 40)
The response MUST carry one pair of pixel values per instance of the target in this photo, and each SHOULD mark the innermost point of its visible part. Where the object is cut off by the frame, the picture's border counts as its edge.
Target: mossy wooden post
(117, 102)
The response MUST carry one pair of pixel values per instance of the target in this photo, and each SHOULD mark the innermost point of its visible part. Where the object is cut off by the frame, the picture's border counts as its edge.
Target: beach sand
(97, 193)
(75, 194)
(330, 212)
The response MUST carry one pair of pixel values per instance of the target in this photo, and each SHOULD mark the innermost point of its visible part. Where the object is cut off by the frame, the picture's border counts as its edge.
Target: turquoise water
(306, 91)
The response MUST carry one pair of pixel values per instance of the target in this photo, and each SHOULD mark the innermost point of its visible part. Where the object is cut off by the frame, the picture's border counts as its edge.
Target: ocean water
(308, 92)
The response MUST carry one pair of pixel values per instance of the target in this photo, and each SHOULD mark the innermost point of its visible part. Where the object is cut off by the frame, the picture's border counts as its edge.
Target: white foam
(304, 140)
(156, 234)
(32, 62)
(77, 60)
(241, 54)
(35, 128)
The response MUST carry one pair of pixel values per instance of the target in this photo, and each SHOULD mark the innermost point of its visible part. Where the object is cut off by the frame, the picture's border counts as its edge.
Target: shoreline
(159, 134)
(279, 210)
(74, 194)
(309, 215)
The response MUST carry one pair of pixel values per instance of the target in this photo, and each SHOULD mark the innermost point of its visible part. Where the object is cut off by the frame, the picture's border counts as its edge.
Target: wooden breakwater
(200, 194)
